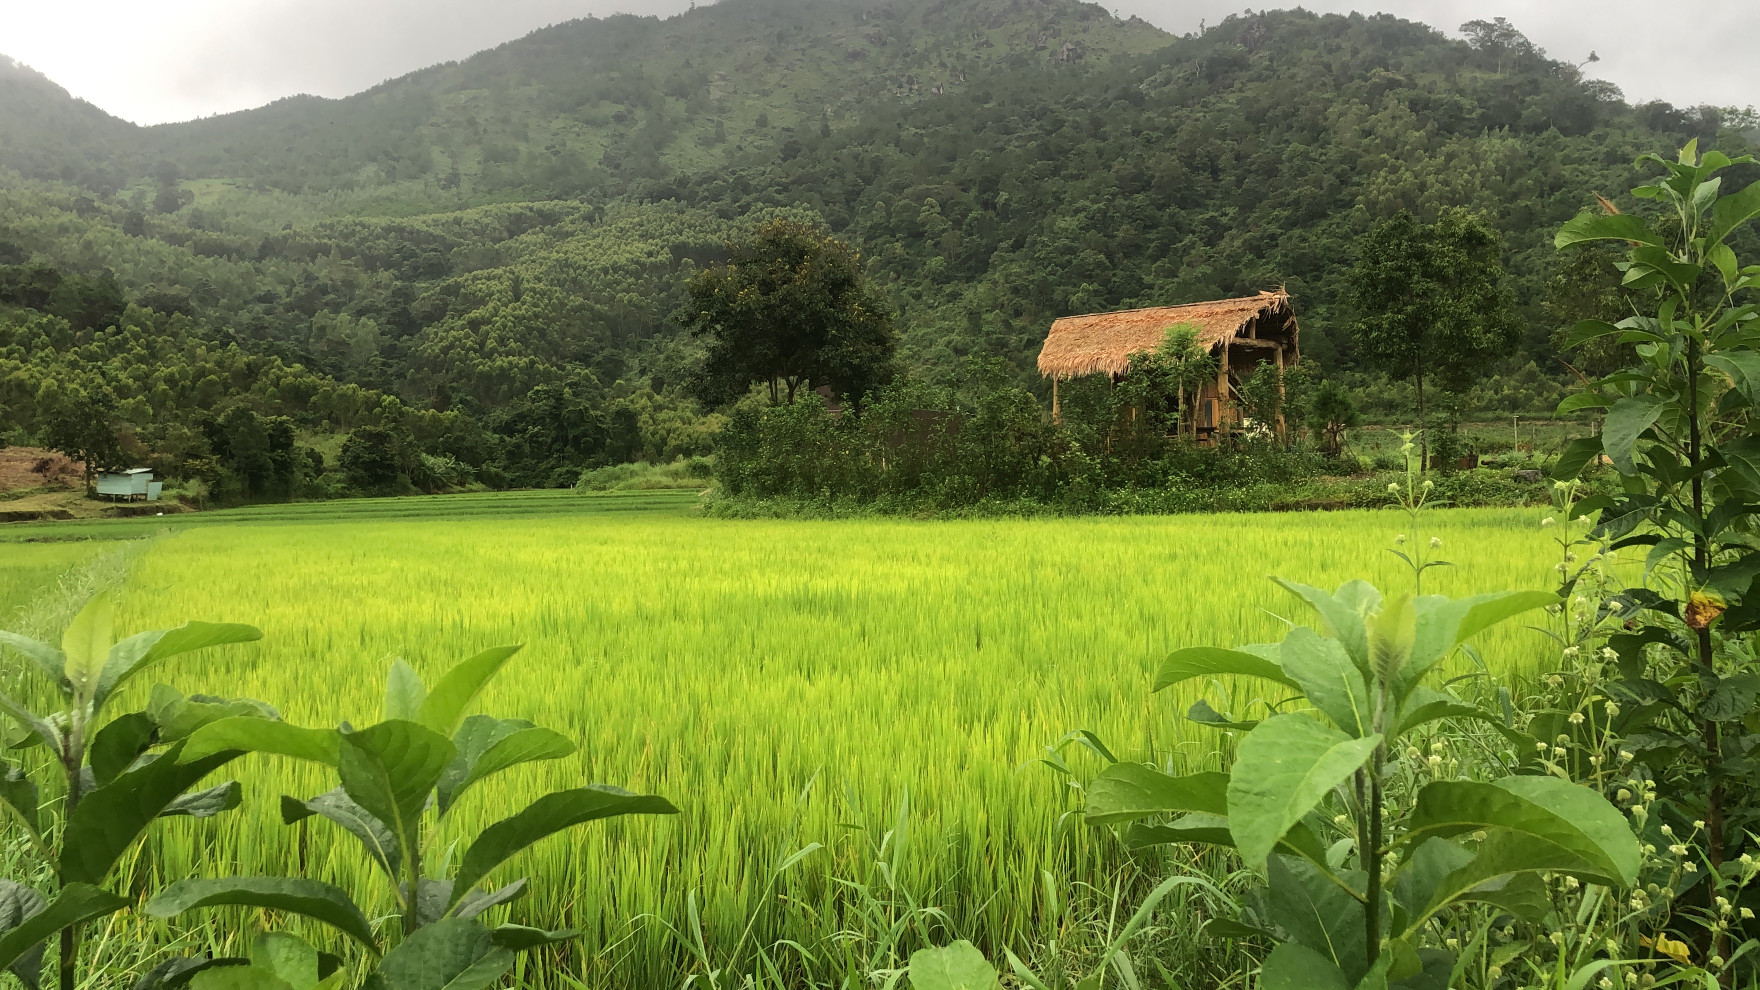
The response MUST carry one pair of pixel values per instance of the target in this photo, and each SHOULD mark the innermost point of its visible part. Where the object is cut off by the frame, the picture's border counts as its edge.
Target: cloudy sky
(177, 59)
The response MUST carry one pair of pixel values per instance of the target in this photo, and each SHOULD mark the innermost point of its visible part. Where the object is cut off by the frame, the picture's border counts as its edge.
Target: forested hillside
(457, 238)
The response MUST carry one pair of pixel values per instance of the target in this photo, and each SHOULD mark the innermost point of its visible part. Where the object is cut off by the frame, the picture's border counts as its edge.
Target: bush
(682, 472)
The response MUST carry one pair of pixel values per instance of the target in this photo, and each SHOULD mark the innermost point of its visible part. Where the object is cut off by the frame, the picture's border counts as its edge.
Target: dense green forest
(483, 258)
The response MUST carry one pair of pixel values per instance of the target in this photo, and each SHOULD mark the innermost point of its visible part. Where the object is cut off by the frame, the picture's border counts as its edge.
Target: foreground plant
(1680, 433)
(424, 756)
(117, 775)
(1358, 877)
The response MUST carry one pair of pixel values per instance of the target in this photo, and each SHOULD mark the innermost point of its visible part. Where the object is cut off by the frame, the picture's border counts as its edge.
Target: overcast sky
(164, 60)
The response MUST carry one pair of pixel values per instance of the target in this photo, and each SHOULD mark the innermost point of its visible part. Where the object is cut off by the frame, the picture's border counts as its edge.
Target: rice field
(788, 684)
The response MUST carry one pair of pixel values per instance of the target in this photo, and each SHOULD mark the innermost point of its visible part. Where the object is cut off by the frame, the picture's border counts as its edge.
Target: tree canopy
(790, 309)
(1433, 300)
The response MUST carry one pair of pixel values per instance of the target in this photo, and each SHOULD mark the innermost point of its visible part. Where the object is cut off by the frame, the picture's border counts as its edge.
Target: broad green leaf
(1393, 632)
(1282, 770)
(1557, 820)
(1327, 676)
(1341, 614)
(1314, 910)
(1203, 714)
(336, 806)
(173, 974)
(307, 898)
(1628, 419)
(1425, 705)
(1584, 331)
(206, 803)
(432, 899)
(1503, 871)
(77, 902)
(487, 745)
(86, 644)
(288, 957)
(520, 938)
(476, 902)
(1443, 625)
(252, 734)
(1731, 698)
(1588, 226)
(178, 717)
(1581, 400)
(1125, 792)
(959, 966)
(245, 977)
(28, 720)
(445, 705)
(19, 904)
(1576, 457)
(1213, 661)
(1293, 966)
(1213, 830)
(118, 744)
(49, 661)
(1197, 827)
(134, 655)
(453, 954)
(111, 818)
(390, 768)
(1732, 211)
(544, 817)
(1723, 258)
(404, 693)
(1420, 875)
(21, 799)
(1742, 367)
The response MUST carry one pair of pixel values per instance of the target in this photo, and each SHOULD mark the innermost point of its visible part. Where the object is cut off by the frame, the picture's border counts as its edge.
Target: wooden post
(1280, 393)
(1056, 408)
(1222, 391)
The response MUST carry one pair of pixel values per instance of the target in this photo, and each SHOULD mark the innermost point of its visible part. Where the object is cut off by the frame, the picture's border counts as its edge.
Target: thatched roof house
(1242, 334)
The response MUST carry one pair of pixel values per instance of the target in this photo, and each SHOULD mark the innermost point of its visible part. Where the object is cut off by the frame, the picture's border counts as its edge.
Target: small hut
(1241, 333)
(129, 485)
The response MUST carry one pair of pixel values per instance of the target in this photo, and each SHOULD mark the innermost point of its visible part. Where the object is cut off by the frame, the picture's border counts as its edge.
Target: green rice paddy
(785, 683)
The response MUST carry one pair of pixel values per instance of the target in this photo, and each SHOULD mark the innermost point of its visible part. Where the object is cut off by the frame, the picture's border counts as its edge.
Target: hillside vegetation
(460, 239)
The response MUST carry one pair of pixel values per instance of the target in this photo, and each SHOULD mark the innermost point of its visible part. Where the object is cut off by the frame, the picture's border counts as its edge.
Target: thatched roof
(1085, 345)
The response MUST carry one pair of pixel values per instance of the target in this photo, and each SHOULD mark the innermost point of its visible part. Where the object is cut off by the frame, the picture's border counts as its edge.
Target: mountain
(459, 238)
(571, 109)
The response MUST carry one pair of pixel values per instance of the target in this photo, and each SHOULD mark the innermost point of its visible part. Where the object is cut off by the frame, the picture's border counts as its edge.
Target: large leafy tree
(790, 309)
(1432, 300)
(79, 420)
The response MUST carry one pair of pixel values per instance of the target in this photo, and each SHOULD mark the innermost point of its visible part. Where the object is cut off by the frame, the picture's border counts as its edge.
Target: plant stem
(1372, 863)
(1702, 564)
(73, 755)
(412, 908)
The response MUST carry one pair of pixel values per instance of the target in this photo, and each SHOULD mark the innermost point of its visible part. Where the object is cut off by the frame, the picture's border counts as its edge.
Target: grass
(27, 569)
(879, 687)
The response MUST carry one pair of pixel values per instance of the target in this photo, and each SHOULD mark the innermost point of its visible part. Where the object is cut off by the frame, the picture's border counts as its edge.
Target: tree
(80, 422)
(1431, 300)
(791, 309)
(1330, 413)
(371, 458)
(1178, 368)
